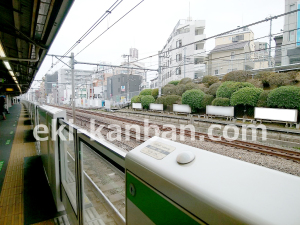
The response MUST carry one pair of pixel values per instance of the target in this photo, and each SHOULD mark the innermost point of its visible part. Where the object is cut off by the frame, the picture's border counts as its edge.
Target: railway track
(249, 146)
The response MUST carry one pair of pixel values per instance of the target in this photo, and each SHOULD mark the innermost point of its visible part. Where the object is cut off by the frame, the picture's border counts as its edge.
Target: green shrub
(174, 82)
(276, 79)
(154, 93)
(210, 79)
(136, 99)
(285, 97)
(227, 88)
(212, 90)
(169, 89)
(262, 100)
(238, 76)
(193, 98)
(181, 88)
(246, 96)
(169, 100)
(207, 100)
(146, 100)
(185, 80)
(146, 92)
(256, 82)
(221, 102)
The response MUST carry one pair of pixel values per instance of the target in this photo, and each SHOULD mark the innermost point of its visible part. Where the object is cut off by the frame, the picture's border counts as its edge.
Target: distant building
(184, 61)
(83, 84)
(118, 86)
(278, 40)
(291, 35)
(237, 51)
(50, 80)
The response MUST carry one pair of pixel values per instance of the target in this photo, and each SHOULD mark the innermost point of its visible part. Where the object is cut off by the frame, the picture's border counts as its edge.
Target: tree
(285, 97)
(221, 102)
(185, 80)
(262, 100)
(227, 88)
(212, 90)
(193, 98)
(174, 82)
(154, 93)
(146, 92)
(238, 76)
(246, 96)
(207, 100)
(210, 79)
(136, 99)
(146, 100)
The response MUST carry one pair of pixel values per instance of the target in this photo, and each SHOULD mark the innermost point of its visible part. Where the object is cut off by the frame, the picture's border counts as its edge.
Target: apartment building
(177, 60)
(291, 34)
(237, 51)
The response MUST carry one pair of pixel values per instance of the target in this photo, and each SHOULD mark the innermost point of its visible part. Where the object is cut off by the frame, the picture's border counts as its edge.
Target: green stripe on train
(154, 206)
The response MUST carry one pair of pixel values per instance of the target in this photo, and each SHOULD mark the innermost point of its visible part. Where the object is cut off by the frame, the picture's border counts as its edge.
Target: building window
(232, 55)
(170, 60)
(178, 70)
(292, 7)
(178, 57)
(216, 72)
(178, 43)
(199, 46)
(292, 36)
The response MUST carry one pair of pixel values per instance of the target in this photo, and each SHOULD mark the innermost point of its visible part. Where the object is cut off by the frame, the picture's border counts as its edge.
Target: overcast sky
(149, 25)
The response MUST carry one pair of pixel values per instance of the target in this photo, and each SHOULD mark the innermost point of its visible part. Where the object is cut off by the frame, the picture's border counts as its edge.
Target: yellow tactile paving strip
(11, 198)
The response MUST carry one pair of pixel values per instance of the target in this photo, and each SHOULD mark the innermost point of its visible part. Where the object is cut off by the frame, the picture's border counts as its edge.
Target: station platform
(25, 194)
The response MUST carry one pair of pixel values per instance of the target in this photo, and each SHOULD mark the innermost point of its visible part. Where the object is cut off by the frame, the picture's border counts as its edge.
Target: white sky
(149, 25)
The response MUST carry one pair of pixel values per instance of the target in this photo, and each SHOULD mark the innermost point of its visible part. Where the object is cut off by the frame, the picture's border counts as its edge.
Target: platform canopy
(27, 30)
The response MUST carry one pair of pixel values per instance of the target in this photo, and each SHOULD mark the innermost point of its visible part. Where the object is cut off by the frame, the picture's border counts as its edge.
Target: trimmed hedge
(285, 97)
(146, 100)
(262, 100)
(136, 99)
(181, 88)
(154, 93)
(238, 76)
(172, 99)
(227, 88)
(277, 79)
(185, 80)
(209, 79)
(221, 102)
(246, 96)
(174, 82)
(169, 89)
(146, 92)
(256, 82)
(212, 90)
(207, 100)
(193, 98)
(168, 100)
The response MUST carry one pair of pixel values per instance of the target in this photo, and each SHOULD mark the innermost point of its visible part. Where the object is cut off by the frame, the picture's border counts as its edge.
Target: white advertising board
(156, 106)
(287, 115)
(181, 108)
(107, 104)
(220, 110)
(137, 106)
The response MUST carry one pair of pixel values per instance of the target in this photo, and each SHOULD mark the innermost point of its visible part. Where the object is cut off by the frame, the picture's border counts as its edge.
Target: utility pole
(184, 60)
(124, 56)
(73, 86)
(159, 75)
(270, 42)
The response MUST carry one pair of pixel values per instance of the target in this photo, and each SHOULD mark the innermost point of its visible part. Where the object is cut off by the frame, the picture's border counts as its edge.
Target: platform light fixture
(2, 53)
